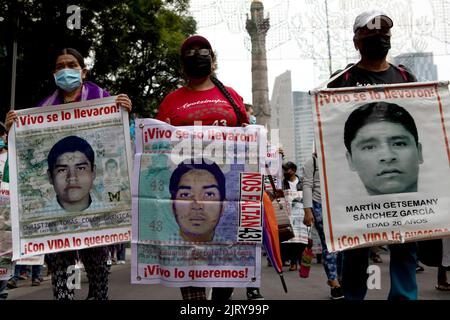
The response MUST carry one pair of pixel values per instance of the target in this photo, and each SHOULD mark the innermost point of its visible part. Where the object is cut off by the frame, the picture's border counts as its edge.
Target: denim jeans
(402, 271)
(3, 290)
(120, 251)
(35, 271)
(329, 259)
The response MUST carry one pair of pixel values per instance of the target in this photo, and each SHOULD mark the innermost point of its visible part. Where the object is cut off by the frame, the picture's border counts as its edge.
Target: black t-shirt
(357, 77)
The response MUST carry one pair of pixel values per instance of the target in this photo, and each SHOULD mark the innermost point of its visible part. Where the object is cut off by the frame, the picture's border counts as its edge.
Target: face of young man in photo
(111, 169)
(386, 158)
(72, 178)
(197, 206)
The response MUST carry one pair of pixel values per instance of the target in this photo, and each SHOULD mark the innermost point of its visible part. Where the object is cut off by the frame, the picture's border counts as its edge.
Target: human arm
(124, 101)
(308, 183)
(11, 117)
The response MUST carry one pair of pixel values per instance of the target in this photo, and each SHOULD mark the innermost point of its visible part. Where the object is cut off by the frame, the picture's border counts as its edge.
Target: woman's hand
(308, 219)
(11, 117)
(123, 101)
(281, 151)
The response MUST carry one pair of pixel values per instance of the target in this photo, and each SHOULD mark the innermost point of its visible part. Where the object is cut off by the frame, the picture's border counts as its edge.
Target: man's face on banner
(198, 206)
(111, 169)
(72, 178)
(386, 158)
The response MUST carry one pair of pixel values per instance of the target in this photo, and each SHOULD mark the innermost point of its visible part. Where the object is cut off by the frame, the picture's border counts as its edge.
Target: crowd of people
(216, 104)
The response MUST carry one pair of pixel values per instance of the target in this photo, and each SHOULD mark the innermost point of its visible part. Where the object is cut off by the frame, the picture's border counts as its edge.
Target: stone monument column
(257, 27)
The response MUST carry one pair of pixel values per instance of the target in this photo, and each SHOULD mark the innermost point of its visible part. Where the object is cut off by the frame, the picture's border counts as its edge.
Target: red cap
(193, 40)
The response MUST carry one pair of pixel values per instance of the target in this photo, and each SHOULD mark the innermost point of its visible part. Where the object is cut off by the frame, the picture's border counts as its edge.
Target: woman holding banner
(206, 100)
(70, 75)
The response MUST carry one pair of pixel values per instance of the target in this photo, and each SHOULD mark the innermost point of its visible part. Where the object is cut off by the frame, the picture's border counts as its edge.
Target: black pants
(294, 251)
(199, 293)
(95, 265)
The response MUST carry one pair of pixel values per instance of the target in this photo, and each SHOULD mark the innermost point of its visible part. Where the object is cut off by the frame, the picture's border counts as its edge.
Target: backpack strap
(315, 166)
(406, 73)
(403, 73)
(346, 76)
(347, 73)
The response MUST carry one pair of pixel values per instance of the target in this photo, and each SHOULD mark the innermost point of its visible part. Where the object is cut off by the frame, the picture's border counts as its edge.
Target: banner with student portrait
(197, 205)
(70, 166)
(294, 200)
(384, 162)
(274, 168)
(6, 271)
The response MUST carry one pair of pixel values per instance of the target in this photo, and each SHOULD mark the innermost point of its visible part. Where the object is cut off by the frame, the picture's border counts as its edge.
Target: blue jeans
(3, 290)
(402, 271)
(35, 271)
(120, 251)
(329, 259)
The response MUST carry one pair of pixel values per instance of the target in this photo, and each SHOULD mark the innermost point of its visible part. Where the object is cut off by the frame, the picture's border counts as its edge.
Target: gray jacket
(311, 183)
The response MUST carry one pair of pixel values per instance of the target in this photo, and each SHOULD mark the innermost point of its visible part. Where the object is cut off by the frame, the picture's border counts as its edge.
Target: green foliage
(134, 45)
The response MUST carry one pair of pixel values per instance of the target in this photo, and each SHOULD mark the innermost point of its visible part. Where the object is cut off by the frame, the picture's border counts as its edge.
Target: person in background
(312, 205)
(3, 224)
(21, 273)
(251, 116)
(3, 148)
(120, 253)
(291, 182)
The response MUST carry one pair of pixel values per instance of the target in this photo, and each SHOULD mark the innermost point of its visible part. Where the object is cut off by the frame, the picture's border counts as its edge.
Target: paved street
(312, 288)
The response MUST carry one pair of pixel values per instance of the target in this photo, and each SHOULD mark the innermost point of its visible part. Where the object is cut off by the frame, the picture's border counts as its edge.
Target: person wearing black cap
(372, 38)
(203, 99)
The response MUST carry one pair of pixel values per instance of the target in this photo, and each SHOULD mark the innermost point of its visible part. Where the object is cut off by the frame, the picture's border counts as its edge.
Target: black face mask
(376, 47)
(197, 66)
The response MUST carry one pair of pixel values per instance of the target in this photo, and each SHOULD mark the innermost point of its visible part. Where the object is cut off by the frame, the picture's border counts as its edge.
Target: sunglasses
(202, 52)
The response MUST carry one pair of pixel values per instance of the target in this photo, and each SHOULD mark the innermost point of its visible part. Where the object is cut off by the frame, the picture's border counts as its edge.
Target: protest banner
(70, 166)
(5, 234)
(384, 163)
(197, 205)
(295, 203)
(31, 261)
(274, 168)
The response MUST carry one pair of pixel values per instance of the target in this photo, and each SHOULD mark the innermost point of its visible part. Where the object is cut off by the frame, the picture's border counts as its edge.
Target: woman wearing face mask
(70, 77)
(250, 114)
(204, 98)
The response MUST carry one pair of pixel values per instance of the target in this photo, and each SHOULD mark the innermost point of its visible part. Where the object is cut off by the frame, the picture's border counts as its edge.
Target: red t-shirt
(184, 106)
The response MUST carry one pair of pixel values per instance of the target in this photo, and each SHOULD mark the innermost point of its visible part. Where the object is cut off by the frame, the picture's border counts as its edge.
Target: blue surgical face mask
(2, 143)
(68, 79)
(252, 119)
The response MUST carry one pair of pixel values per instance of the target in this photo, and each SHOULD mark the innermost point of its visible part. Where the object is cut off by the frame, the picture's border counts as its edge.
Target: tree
(133, 44)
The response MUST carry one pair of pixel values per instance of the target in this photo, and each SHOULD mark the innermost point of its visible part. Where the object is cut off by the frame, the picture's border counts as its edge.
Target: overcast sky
(298, 33)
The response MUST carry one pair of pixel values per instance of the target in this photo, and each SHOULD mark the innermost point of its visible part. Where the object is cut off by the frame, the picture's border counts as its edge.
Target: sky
(297, 39)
